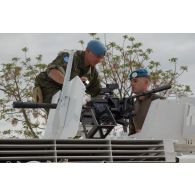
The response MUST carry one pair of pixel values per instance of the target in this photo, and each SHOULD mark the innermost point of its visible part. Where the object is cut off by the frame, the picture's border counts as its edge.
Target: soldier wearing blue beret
(140, 82)
(139, 73)
(84, 65)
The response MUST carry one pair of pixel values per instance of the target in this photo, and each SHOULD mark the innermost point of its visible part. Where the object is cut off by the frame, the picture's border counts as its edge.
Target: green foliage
(160, 77)
(17, 81)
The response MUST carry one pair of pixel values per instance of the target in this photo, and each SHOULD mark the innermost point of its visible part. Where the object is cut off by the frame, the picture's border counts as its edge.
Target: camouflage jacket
(49, 87)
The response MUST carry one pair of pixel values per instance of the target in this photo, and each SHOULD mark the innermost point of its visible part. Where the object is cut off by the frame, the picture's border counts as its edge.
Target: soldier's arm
(56, 75)
(156, 96)
(95, 87)
(56, 69)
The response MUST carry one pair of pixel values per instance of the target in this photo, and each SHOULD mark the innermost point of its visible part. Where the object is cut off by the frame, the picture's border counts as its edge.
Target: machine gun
(102, 114)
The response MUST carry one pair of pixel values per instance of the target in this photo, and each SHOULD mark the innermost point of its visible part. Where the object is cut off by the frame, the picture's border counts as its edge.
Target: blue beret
(139, 73)
(97, 47)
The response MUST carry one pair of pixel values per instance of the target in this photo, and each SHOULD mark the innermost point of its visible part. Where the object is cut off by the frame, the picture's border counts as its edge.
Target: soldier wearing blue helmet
(140, 82)
(49, 82)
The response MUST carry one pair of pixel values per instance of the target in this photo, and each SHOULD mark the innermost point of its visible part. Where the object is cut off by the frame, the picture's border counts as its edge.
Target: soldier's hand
(86, 99)
(85, 80)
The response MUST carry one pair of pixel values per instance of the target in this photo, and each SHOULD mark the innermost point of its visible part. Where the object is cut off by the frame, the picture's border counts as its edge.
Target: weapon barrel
(162, 88)
(33, 105)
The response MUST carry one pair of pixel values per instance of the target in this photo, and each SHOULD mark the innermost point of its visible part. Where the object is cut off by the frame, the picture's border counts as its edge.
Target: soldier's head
(140, 80)
(94, 52)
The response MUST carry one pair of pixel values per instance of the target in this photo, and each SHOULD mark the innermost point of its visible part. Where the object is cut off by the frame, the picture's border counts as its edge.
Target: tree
(17, 80)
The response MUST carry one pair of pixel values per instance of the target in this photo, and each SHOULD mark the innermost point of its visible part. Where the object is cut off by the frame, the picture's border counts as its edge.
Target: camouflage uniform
(141, 108)
(49, 87)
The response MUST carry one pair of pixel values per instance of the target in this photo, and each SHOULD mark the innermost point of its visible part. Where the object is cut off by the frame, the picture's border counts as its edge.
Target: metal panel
(138, 150)
(88, 150)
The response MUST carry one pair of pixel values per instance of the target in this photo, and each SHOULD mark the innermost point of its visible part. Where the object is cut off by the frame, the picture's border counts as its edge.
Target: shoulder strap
(76, 61)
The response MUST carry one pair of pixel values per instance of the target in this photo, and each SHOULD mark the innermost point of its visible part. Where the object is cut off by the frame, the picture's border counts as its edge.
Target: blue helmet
(97, 47)
(142, 72)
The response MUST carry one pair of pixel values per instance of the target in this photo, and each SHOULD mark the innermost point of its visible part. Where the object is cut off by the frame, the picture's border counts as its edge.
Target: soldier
(140, 81)
(49, 82)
